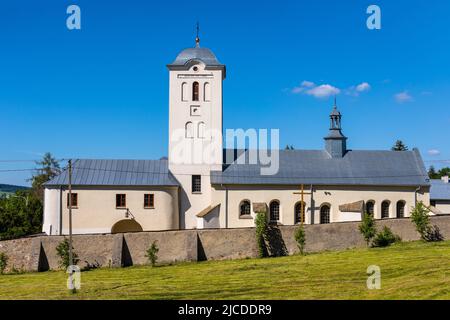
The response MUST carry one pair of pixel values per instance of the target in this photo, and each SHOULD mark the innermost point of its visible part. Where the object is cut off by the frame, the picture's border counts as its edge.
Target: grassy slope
(412, 270)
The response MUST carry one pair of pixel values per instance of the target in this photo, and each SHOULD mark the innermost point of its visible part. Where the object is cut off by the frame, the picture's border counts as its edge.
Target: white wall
(97, 213)
(331, 195)
(202, 160)
(52, 207)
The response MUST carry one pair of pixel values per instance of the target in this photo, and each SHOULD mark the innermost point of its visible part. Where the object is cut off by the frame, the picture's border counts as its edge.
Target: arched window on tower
(325, 214)
(207, 92)
(189, 130)
(300, 212)
(184, 91)
(195, 91)
(201, 130)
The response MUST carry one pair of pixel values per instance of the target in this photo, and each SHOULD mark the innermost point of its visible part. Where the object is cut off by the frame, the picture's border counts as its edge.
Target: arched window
(184, 91)
(207, 92)
(201, 130)
(370, 207)
(195, 91)
(244, 208)
(274, 211)
(325, 214)
(385, 210)
(400, 209)
(299, 213)
(189, 128)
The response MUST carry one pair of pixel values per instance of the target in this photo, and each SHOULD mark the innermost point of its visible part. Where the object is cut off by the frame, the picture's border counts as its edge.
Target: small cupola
(335, 141)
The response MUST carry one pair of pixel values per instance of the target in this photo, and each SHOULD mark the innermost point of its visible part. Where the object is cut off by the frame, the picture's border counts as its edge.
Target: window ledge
(149, 208)
(196, 192)
(246, 217)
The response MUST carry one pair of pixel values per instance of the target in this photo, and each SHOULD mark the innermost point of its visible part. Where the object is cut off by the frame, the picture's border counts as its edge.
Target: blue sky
(102, 91)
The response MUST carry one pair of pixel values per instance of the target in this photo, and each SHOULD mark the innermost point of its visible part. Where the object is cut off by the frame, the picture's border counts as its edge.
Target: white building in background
(198, 189)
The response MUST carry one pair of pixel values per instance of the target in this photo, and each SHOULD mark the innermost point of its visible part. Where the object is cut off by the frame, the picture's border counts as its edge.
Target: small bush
(433, 234)
(367, 228)
(62, 250)
(385, 238)
(261, 233)
(152, 253)
(300, 238)
(3, 262)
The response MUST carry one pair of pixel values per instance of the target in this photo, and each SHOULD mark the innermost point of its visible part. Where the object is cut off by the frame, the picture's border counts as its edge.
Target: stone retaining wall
(116, 250)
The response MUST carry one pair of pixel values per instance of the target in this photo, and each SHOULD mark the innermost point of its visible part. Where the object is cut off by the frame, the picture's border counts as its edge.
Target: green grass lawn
(413, 270)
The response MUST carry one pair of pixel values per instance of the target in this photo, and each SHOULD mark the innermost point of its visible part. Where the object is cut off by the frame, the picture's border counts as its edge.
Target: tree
(48, 168)
(20, 215)
(367, 228)
(261, 233)
(421, 219)
(432, 173)
(300, 238)
(152, 253)
(62, 250)
(399, 146)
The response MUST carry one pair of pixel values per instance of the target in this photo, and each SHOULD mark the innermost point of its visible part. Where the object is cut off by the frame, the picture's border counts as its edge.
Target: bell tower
(335, 141)
(195, 126)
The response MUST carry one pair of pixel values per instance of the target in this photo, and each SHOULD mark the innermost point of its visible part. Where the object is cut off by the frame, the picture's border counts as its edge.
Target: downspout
(60, 209)
(226, 206)
(415, 195)
(311, 220)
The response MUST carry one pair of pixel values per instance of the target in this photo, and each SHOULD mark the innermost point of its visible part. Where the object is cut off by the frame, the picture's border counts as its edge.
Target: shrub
(300, 238)
(433, 233)
(385, 238)
(367, 228)
(261, 232)
(3, 262)
(62, 250)
(421, 219)
(152, 253)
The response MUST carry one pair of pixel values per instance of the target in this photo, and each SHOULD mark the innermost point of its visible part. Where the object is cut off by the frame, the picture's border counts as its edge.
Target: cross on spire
(197, 39)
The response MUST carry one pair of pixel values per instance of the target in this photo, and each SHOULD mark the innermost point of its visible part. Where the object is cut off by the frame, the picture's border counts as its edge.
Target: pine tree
(399, 146)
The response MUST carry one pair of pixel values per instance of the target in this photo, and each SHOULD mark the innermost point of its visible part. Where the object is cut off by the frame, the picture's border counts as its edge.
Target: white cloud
(403, 97)
(356, 90)
(308, 84)
(362, 87)
(434, 152)
(323, 91)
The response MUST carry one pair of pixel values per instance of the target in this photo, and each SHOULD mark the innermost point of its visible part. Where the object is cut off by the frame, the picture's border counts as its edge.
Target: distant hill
(8, 188)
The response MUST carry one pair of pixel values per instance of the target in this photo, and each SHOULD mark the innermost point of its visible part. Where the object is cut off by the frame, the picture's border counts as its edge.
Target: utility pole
(70, 214)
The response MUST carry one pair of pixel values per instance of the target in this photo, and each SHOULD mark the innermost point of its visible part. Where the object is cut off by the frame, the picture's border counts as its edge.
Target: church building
(336, 184)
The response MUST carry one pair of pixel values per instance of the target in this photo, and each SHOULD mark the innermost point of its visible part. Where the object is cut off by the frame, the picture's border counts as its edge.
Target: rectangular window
(197, 183)
(121, 201)
(149, 200)
(74, 200)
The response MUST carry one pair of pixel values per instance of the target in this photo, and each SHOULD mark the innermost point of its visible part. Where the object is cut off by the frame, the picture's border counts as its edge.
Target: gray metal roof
(439, 190)
(117, 173)
(203, 54)
(393, 168)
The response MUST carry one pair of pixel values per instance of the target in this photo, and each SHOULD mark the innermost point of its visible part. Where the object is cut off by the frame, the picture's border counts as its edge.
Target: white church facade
(111, 196)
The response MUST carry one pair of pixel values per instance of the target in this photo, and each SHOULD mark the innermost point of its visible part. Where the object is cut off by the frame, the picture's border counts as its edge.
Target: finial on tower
(197, 39)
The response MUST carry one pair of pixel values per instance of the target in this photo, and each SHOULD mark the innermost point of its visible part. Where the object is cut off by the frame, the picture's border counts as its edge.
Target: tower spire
(197, 39)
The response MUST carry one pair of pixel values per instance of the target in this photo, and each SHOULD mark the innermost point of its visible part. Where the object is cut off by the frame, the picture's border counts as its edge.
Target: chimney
(445, 179)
